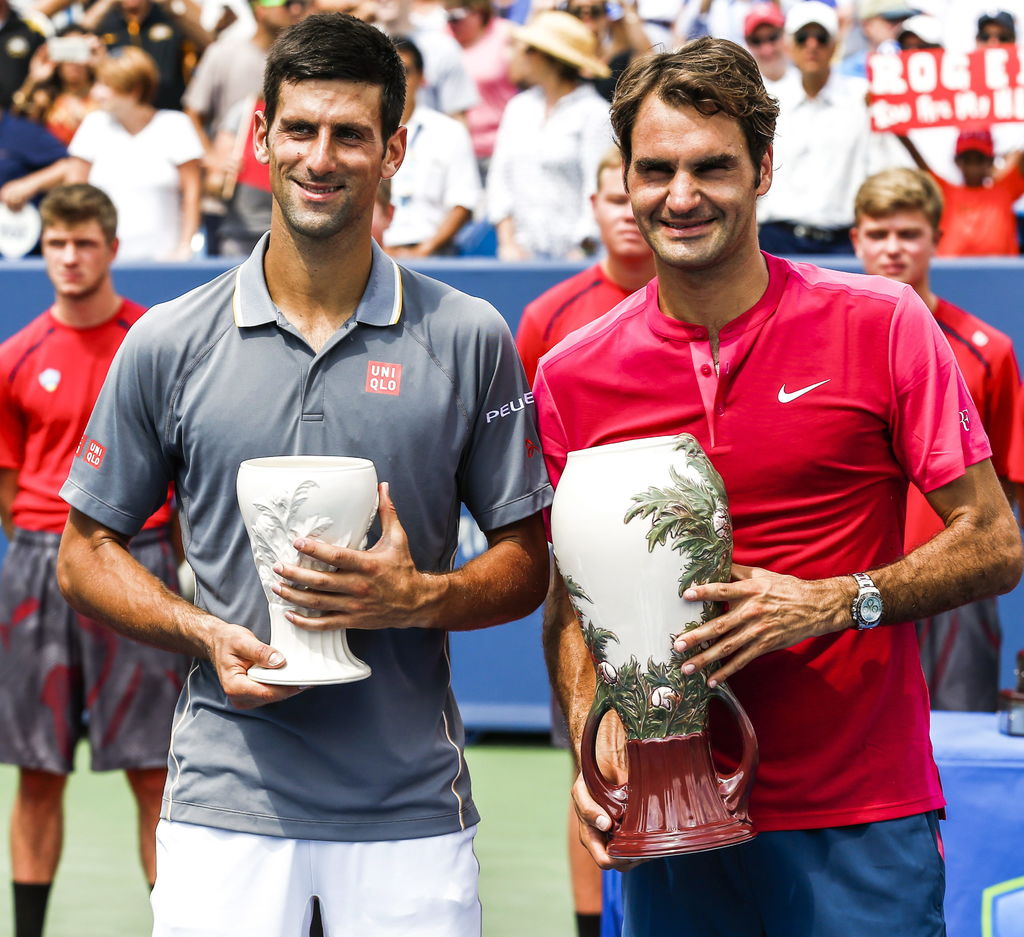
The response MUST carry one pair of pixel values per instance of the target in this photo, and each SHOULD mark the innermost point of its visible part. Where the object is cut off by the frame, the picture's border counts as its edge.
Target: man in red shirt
(627, 265)
(897, 214)
(817, 396)
(63, 676)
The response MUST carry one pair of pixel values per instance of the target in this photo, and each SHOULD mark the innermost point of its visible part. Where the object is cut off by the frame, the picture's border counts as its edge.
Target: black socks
(30, 909)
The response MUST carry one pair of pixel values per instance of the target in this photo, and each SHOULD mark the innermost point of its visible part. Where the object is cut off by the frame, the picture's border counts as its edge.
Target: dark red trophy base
(676, 803)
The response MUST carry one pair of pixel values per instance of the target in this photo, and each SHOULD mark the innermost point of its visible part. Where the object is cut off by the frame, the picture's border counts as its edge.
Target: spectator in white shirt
(821, 153)
(550, 141)
(146, 160)
(438, 185)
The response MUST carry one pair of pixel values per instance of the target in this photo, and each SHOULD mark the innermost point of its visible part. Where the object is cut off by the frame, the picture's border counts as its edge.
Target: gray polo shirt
(423, 380)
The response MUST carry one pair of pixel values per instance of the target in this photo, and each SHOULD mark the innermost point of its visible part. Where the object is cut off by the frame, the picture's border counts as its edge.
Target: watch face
(871, 609)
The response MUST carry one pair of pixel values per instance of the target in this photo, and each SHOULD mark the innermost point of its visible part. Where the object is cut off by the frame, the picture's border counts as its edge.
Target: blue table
(983, 779)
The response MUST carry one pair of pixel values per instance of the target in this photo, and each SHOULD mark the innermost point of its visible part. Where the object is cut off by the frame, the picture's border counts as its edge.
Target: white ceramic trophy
(331, 498)
(633, 525)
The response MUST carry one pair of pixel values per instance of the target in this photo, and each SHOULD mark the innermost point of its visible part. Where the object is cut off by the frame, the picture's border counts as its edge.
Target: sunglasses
(764, 40)
(997, 35)
(818, 35)
(592, 12)
(457, 14)
(274, 4)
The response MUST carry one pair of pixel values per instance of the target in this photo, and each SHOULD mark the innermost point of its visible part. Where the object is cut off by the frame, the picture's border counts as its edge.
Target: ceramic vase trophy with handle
(634, 524)
(282, 498)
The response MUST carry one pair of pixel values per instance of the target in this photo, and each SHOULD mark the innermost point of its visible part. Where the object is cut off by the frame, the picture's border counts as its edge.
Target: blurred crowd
(155, 101)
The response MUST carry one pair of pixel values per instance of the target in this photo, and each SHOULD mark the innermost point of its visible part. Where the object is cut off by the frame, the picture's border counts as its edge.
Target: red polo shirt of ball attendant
(986, 360)
(50, 377)
(564, 308)
(831, 392)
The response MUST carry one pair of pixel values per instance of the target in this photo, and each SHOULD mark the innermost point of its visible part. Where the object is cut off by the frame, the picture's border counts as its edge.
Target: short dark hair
(406, 45)
(336, 47)
(77, 204)
(713, 76)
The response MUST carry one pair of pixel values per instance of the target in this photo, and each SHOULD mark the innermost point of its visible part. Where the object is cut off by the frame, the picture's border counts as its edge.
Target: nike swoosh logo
(785, 397)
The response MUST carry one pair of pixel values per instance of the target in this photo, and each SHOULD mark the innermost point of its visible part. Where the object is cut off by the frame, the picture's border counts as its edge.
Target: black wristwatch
(867, 608)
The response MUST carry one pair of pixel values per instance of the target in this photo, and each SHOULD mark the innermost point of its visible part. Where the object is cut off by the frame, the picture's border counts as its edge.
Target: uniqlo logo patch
(383, 378)
(94, 453)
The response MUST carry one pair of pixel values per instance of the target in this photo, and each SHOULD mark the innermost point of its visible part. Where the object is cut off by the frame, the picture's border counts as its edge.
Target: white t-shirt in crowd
(140, 174)
(439, 173)
(822, 154)
(544, 169)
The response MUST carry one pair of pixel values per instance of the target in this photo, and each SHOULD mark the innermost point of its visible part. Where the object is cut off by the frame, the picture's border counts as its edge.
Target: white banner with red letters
(935, 88)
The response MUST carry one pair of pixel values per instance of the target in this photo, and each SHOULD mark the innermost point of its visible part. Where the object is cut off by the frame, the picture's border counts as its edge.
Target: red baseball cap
(980, 141)
(763, 14)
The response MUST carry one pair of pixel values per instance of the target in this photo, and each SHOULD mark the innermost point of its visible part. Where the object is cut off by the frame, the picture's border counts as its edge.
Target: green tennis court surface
(520, 787)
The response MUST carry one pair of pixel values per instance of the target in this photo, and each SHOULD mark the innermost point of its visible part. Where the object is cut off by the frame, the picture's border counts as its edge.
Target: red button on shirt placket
(708, 381)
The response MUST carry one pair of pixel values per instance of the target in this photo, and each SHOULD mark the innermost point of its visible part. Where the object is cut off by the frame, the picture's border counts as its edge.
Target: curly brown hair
(713, 76)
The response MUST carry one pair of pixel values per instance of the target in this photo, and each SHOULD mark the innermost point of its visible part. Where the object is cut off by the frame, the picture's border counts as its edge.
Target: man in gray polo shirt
(356, 794)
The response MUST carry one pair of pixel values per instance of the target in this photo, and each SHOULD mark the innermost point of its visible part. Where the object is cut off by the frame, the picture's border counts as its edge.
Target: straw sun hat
(565, 38)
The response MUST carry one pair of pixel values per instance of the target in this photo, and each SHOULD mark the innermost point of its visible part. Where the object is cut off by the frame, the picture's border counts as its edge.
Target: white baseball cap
(812, 11)
(927, 28)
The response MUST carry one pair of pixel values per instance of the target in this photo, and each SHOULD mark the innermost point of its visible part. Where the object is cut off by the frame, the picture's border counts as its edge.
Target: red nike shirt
(831, 392)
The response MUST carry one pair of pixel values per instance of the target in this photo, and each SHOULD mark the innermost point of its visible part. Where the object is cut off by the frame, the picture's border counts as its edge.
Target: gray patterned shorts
(64, 677)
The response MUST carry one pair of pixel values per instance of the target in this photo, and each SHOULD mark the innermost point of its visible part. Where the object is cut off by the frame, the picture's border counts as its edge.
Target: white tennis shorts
(218, 883)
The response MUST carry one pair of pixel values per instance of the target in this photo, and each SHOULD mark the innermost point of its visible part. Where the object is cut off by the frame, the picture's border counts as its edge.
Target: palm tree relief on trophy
(691, 517)
(277, 526)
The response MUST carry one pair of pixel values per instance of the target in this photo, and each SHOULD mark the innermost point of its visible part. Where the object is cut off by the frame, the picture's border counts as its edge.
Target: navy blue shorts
(884, 879)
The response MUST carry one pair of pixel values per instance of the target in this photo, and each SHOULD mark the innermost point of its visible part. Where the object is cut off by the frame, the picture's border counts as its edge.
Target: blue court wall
(499, 674)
